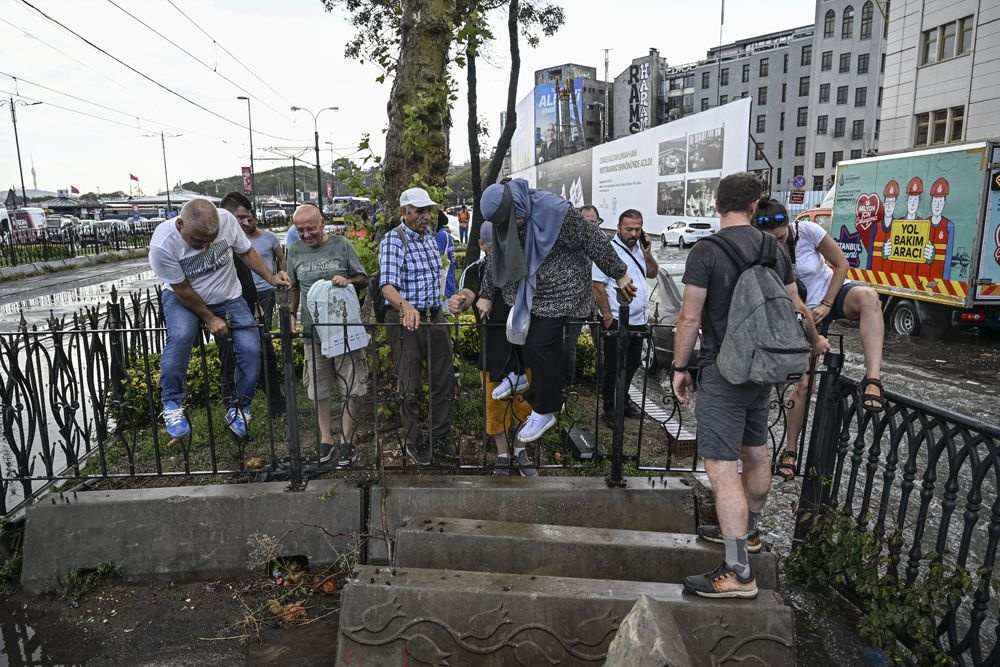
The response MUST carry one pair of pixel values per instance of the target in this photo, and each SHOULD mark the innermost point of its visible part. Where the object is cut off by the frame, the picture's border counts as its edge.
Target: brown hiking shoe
(722, 582)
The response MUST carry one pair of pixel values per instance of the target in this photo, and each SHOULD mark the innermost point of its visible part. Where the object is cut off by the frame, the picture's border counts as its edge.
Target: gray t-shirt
(709, 266)
(265, 245)
(306, 266)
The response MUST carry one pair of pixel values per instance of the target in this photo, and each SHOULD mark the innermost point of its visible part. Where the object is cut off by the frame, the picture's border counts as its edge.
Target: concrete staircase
(547, 571)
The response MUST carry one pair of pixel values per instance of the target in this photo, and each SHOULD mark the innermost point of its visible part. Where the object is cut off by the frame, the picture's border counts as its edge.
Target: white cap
(416, 197)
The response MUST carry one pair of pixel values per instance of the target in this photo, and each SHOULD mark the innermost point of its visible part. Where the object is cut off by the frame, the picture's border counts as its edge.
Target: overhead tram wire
(145, 76)
(195, 58)
(228, 53)
(76, 111)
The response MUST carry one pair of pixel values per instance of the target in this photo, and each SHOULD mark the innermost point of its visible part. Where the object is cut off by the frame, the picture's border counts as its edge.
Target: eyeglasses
(770, 221)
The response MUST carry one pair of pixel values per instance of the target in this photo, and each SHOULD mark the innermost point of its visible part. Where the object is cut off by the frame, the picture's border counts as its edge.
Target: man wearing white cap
(410, 278)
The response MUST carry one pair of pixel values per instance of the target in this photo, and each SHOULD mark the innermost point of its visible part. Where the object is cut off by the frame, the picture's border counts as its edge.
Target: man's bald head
(306, 213)
(309, 224)
(198, 223)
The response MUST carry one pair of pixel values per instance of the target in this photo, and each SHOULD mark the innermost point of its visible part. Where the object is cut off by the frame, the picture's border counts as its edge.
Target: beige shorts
(350, 371)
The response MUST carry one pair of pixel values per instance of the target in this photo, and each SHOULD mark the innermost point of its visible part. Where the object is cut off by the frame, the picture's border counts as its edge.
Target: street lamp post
(319, 177)
(334, 169)
(17, 143)
(163, 145)
(253, 181)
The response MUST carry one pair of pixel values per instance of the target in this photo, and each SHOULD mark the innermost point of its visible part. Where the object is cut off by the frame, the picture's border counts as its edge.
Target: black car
(666, 307)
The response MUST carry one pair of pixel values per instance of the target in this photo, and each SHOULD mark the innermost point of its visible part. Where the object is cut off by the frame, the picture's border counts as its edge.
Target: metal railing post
(292, 413)
(822, 453)
(621, 353)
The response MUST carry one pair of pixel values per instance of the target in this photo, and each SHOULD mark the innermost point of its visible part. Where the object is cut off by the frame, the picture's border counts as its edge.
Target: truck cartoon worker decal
(938, 251)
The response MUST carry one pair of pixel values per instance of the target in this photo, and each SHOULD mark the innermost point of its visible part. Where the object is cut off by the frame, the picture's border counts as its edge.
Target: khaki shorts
(350, 371)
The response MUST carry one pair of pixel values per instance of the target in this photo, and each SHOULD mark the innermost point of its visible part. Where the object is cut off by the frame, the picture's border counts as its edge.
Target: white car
(684, 233)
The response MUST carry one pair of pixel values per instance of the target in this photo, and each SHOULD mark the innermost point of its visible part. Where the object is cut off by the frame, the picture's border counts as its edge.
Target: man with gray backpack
(756, 332)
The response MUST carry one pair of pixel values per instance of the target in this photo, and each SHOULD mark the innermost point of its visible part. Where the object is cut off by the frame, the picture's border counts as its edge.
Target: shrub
(468, 337)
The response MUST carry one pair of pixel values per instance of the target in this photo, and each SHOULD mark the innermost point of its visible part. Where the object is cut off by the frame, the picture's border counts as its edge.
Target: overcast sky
(294, 53)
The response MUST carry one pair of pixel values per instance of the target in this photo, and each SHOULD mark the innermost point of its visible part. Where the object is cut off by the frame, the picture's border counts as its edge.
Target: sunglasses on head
(770, 221)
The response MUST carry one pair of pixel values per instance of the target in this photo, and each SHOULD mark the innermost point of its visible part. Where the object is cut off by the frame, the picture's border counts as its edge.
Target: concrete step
(644, 504)
(396, 616)
(564, 551)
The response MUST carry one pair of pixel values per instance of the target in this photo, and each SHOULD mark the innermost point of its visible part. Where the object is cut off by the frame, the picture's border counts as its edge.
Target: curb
(41, 268)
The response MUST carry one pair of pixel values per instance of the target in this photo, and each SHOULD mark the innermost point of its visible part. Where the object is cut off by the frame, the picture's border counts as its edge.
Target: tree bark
(417, 149)
(503, 145)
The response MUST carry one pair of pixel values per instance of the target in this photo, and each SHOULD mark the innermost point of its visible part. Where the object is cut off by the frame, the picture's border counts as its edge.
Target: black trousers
(543, 354)
(633, 359)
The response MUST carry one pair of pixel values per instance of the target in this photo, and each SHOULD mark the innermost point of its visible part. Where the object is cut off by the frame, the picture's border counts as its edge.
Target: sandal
(787, 466)
(872, 402)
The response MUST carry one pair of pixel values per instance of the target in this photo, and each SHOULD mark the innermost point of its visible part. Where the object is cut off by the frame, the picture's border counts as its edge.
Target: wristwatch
(678, 369)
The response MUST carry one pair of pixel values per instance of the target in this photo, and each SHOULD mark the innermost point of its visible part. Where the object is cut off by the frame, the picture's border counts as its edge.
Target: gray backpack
(765, 342)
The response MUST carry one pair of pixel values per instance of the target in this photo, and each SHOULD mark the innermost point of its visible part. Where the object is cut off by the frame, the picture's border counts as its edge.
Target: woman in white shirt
(821, 267)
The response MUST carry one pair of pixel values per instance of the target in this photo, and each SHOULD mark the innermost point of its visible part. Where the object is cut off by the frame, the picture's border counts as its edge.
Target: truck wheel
(904, 318)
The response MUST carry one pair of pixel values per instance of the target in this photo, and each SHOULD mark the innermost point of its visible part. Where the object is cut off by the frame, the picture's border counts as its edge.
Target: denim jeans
(183, 327)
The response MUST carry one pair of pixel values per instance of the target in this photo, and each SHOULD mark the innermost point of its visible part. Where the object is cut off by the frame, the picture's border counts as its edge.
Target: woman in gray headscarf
(540, 264)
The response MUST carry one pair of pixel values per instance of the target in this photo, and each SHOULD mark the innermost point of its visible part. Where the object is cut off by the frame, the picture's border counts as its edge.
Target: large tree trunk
(503, 145)
(416, 149)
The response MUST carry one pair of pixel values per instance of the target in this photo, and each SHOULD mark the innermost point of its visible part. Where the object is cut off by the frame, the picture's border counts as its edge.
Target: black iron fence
(26, 246)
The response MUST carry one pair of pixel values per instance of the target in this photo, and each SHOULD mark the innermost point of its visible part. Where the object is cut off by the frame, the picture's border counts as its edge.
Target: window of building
(704, 103)
(922, 127)
(845, 63)
(779, 174)
(847, 23)
(689, 80)
(839, 127)
(820, 161)
(705, 81)
(781, 122)
(761, 124)
(763, 67)
(803, 86)
(802, 119)
(863, 63)
(723, 99)
(818, 182)
(878, 128)
(866, 20)
(860, 96)
(762, 96)
(881, 67)
(939, 126)
(784, 64)
(784, 89)
(957, 121)
(836, 157)
(858, 129)
(842, 94)
(821, 123)
(724, 77)
(745, 76)
(781, 149)
(798, 170)
(856, 154)
(800, 146)
(826, 61)
(946, 41)
(824, 92)
(879, 97)
(743, 94)
(964, 36)
(829, 21)
(807, 55)
(758, 154)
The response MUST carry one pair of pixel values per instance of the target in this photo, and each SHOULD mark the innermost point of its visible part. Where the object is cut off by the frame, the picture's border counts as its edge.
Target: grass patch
(80, 582)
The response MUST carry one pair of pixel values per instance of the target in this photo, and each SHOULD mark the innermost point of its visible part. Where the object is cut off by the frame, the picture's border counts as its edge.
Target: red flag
(133, 177)
(73, 190)
(247, 182)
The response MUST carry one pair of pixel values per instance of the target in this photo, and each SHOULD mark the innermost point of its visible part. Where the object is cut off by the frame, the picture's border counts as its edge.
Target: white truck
(923, 229)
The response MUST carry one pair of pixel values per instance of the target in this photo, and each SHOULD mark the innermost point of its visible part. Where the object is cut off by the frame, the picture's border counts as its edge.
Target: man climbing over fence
(192, 255)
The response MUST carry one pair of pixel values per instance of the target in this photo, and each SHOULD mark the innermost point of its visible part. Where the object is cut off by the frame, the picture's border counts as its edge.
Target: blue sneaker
(177, 423)
(238, 420)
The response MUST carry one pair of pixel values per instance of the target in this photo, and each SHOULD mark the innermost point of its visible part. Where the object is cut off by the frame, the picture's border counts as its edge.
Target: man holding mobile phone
(635, 249)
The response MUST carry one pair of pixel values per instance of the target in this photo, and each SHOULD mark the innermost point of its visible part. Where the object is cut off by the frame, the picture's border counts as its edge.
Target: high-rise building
(936, 49)
(840, 110)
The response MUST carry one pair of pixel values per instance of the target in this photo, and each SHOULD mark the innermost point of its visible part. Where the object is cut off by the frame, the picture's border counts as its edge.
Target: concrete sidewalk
(41, 268)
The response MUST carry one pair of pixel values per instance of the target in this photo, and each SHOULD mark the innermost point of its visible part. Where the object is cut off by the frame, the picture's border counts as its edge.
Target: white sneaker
(510, 385)
(535, 426)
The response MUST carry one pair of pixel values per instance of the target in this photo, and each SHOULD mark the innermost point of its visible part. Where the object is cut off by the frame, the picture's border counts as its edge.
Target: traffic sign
(799, 182)
(995, 184)
(797, 197)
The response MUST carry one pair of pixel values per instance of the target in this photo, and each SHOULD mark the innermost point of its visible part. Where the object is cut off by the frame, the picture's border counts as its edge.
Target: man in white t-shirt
(192, 255)
(634, 248)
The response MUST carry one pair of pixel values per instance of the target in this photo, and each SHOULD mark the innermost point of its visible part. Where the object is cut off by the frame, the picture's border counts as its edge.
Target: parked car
(95, 231)
(684, 233)
(820, 215)
(666, 307)
(275, 216)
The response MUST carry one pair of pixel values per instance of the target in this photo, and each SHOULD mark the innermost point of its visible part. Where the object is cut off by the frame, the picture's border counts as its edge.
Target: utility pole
(163, 145)
(253, 177)
(17, 142)
(607, 94)
(319, 172)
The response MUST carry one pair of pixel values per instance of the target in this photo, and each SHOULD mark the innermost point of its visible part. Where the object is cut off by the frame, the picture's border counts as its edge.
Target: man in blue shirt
(410, 279)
